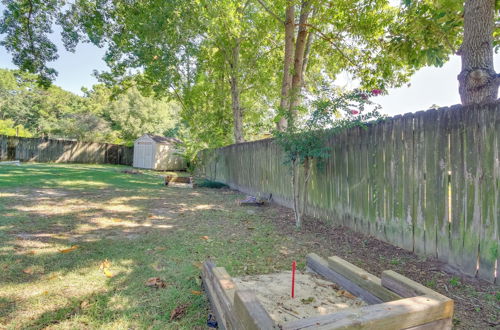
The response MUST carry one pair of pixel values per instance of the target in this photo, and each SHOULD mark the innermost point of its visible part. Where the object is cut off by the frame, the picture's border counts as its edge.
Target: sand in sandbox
(313, 295)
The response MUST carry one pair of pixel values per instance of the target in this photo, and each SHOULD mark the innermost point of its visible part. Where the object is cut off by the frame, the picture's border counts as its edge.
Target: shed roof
(163, 140)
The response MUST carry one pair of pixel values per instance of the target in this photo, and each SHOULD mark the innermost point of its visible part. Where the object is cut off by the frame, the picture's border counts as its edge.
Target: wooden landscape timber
(395, 302)
(178, 179)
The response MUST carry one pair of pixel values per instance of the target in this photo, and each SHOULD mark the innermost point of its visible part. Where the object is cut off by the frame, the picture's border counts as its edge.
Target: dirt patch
(313, 295)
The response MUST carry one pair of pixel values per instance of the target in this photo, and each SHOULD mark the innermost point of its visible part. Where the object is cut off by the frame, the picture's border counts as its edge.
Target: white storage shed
(158, 153)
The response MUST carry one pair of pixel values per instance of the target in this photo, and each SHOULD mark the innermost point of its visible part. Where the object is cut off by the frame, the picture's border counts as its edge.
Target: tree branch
(266, 8)
(331, 41)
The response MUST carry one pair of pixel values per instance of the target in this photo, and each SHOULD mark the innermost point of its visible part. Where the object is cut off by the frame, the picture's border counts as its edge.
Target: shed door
(143, 154)
(148, 155)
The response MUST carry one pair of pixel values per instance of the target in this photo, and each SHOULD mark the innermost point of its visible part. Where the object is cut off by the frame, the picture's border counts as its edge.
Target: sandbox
(333, 294)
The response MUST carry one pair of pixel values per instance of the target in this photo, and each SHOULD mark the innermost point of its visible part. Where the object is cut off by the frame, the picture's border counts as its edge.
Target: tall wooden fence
(63, 151)
(428, 182)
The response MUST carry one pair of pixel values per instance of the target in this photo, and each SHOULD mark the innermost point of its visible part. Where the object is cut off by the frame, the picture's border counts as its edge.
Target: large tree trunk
(300, 46)
(235, 94)
(478, 81)
(287, 63)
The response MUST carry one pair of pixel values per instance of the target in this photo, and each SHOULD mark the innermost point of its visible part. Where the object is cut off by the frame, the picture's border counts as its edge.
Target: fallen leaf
(347, 294)
(108, 273)
(71, 249)
(198, 293)
(156, 282)
(178, 312)
(198, 264)
(204, 237)
(28, 271)
(105, 264)
(117, 220)
(31, 252)
(84, 304)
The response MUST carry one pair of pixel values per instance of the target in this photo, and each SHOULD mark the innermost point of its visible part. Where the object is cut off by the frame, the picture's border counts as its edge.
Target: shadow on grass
(158, 234)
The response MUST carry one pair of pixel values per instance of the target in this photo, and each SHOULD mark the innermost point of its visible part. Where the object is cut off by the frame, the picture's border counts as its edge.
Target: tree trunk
(300, 47)
(235, 94)
(287, 63)
(307, 52)
(296, 193)
(478, 81)
(300, 189)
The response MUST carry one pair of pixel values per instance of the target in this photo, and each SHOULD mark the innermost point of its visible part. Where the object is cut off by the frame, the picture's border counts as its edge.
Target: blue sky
(428, 86)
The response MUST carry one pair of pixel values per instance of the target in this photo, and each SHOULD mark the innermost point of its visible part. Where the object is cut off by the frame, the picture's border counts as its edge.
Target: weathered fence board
(427, 182)
(63, 151)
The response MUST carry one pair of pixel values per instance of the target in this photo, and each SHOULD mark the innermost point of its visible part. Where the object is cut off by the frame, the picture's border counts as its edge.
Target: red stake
(294, 265)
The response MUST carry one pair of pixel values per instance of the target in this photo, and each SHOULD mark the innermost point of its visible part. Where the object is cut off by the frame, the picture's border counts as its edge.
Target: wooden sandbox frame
(394, 301)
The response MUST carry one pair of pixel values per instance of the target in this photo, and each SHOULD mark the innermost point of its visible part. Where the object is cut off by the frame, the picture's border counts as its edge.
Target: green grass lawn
(59, 224)
(141, 227)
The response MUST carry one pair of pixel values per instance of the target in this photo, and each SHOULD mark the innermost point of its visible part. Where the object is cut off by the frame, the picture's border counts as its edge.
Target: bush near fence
(428, 182)
(63, 151)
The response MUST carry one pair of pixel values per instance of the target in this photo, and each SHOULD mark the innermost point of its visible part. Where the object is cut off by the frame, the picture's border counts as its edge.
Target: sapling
(304, 143)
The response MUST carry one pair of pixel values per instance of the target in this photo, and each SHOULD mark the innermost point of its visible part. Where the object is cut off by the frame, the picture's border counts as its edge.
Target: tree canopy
(236, 68)
(26, 109)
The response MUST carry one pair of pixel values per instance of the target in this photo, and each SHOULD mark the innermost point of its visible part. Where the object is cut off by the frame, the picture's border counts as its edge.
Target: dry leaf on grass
(108, 273)
(28, 271)
(198, 264)
(31, 252)
(105, 264)
(178, 312)
(198, 293)
(117, 220)
(156, 282)
(204, 237)
(71, 249)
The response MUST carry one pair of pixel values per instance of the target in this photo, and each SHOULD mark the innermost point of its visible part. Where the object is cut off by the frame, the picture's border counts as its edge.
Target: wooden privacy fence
(63, 151)
(428, 182)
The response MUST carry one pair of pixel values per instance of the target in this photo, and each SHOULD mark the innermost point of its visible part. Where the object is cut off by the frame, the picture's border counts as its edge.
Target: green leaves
(27, 25)
(332, 113)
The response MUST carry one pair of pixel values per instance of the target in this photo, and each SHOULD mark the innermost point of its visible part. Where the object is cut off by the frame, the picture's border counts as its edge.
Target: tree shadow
(151, 236)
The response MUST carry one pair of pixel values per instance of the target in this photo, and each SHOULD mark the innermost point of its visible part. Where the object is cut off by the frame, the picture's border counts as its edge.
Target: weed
(431, 284)
(454, 281)
(395, 261)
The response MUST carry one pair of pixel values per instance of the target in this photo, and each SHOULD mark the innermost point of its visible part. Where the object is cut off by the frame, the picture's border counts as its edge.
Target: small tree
(305, 145)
